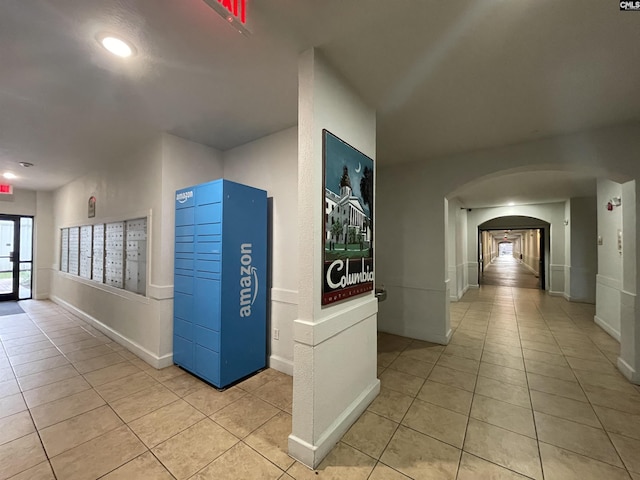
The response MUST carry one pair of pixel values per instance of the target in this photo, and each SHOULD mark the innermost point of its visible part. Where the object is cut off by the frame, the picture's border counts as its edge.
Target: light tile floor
(527, 388)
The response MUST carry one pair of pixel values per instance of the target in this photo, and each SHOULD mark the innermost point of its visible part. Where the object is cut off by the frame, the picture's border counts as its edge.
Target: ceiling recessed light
(116, 46)
(9, 175)
(511, 204)
(26, 164)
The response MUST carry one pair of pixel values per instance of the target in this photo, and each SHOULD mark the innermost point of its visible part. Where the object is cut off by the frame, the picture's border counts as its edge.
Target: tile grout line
(607, 433)
(400, 422)
(473, 394)
(533, 415)
(487, 423)
(28, 409)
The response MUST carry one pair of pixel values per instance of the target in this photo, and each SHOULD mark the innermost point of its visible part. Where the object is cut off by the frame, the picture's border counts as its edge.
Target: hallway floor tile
(527, 388)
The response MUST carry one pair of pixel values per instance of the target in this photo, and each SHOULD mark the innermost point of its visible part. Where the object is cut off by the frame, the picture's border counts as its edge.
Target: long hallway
(506, 271)
(527, 388)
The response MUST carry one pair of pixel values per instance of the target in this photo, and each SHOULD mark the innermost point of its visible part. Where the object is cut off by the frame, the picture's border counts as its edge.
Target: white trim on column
(607, 328)
(309, 454)
(628, 371)
(281, 364)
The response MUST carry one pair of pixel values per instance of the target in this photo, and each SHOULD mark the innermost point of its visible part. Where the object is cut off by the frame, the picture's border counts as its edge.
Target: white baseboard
(628, 371)
(312, 455)
(606, 327)
(133, 347)
(449, 335)
(456, 298)
(556, 294)
(281, 364)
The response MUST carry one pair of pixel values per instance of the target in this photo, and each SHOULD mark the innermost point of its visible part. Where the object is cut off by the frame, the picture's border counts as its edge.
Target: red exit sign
(237, 8)
(6, 189)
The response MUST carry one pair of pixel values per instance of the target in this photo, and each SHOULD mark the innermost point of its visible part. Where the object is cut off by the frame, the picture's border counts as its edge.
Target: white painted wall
(126, 189)
(140, 184)
(457, 249)
(184, 163)
(44, 257)
(22, 202)
(335, 346)
(531, 251)
(271, 163)
(629, 360)
(410, 258)
(567, 246)
(609, 278)
(582, 233)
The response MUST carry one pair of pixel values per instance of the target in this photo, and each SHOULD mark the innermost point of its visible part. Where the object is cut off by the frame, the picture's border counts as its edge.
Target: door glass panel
(26, 239)
(25, 281)
(6, 254)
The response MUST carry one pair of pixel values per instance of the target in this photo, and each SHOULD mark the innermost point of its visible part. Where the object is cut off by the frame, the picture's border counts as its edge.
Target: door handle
(12, 256)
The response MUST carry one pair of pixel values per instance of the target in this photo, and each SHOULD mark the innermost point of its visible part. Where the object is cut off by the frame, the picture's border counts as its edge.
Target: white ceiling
(527, 188)
(445, 77)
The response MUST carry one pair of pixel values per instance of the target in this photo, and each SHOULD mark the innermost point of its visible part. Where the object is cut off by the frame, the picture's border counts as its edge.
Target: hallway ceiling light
(511, 204)
(116, 46)
(9, 176)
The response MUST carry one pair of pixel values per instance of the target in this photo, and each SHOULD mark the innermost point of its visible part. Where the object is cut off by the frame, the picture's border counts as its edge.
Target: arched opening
(588, 243)
(514, 251)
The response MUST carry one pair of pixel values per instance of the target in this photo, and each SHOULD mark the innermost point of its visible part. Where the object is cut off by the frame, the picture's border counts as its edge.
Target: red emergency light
(233, 11)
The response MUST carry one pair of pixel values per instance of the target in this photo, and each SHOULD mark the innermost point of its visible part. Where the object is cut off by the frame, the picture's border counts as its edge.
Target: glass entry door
(16, 247)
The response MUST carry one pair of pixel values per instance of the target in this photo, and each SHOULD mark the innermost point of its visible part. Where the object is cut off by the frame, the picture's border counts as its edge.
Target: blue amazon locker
(220, 281)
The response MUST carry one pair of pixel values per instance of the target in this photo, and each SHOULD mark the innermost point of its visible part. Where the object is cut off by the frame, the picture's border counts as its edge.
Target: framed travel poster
(348, 221)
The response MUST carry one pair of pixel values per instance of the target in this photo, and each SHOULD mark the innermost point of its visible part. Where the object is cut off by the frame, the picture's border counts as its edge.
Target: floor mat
(10, 308)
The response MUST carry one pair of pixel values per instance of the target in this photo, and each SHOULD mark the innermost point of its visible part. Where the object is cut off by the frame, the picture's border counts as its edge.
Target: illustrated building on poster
(345, 209)
(348, 268)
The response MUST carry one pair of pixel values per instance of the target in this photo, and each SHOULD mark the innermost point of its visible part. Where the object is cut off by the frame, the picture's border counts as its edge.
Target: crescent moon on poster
(359, 169)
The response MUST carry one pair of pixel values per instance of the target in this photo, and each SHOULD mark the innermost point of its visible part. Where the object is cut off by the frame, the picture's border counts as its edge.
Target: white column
(629, 360)
(335, 346)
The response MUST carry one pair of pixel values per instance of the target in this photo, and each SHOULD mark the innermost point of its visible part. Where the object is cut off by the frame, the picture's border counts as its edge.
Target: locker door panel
(185, 216)
(210, 248)
(207, 307)
(183, 306)
(183, 284)
(187, 230)
(209, 193)
(183, 328)
(184, 247)
(209, 213)
(207, 338)
(207, 364)
(183, 352)
(208, 229)
(185, 264)
(208, 266)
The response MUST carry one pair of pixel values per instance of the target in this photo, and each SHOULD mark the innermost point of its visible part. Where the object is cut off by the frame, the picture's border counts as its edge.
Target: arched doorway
(424, 263)
(528, 243)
